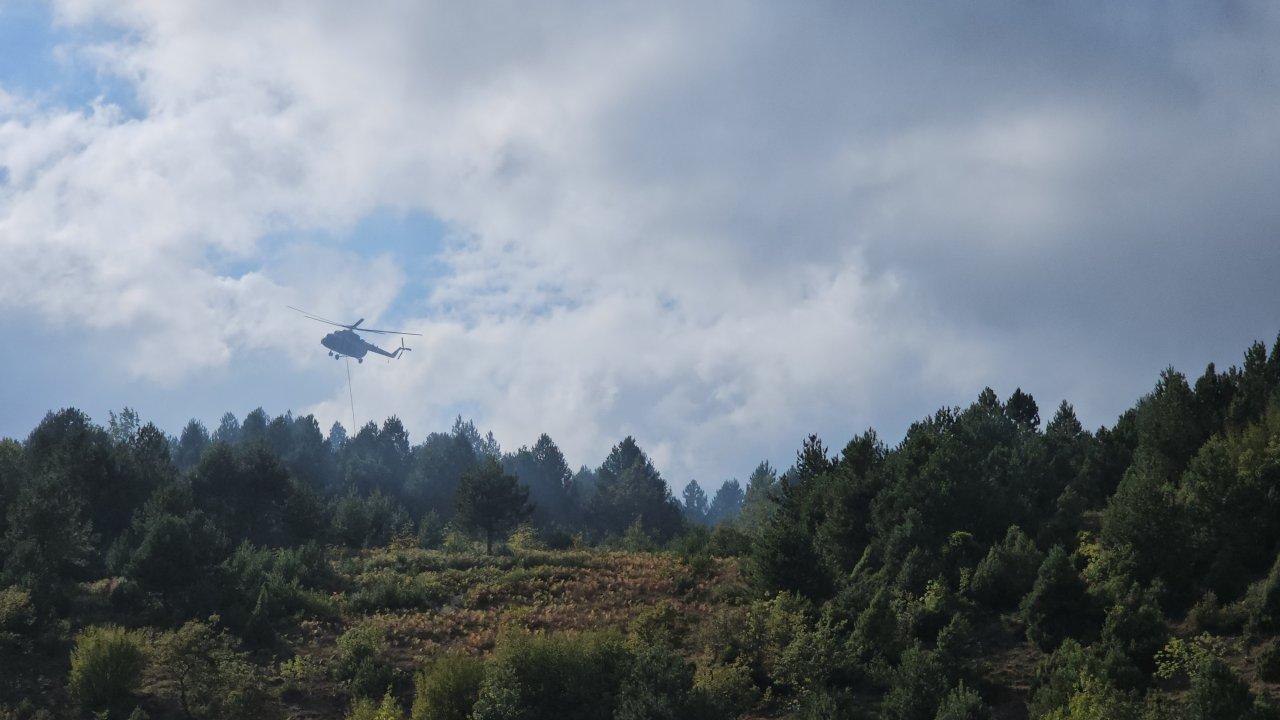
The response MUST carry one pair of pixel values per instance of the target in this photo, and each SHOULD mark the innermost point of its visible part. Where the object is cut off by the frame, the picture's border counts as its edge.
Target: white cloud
(716, 227)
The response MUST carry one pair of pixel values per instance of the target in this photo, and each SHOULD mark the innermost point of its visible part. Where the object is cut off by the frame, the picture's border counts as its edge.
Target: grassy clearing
(427, 603)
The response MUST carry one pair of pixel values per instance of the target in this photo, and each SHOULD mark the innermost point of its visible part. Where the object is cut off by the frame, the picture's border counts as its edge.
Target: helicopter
(346, 343)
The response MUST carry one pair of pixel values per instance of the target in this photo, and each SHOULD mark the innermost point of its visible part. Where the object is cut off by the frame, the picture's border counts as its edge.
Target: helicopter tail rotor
(402, 349)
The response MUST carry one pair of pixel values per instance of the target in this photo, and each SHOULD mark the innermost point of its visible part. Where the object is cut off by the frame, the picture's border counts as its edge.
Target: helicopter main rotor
(355, 326)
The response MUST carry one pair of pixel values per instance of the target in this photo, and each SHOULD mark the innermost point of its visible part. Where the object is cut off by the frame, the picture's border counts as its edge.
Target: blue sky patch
(38, 60)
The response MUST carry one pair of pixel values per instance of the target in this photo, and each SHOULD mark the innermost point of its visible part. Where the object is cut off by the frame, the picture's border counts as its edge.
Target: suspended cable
(351, 394)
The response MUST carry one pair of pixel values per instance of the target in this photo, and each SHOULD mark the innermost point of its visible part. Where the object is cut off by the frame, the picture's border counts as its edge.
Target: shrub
(526, 538)
(1057, 678)
(1096, 700)
(1057, 606)
(106, 668)
(176, 559)
(816, 656)
(369, 521)
(1217, 693)
(636, 539)
(917, 688)
(692, 541)
(658, 687)
(876, 635)
(456, 542)
(728, 541)
(1267, 661)
(300, 673)
(1264, 601)
(826, 704)
(693, 569)
(198, 668)
(934, 609)
(663, 624)
(557, 538)
(390, 590)
(727, 690)
(262, 586)
(557, 677)
(17, 615)
(1137, 628)
(366, 709)
(756, 635)
(1007, 572)
(448, 689)
(962, 703)
(18, 632)
(956, 639)
(1207, 615)
(431, 531)
(361, 661)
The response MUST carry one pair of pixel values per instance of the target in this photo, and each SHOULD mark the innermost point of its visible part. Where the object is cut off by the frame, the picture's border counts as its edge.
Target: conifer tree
(491, 501)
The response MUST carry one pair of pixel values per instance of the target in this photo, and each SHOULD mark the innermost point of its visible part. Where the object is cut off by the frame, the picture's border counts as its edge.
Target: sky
(717, 227)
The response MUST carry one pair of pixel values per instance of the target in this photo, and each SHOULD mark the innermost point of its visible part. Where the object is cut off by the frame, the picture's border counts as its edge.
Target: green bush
(1094, 699)
(1217, 693)
(1007, 572)
(663, 624)
(1207, 615)
(727, 690)
(457, 542)
(366, 709)
(693, 569)
(17, 615)
(448, 689)
(933, 610)
(1057, 678)
(369, 521)
(361, 661)
(198, 668)
(1264, 603)
(526, 538)
(962, 703)
(729, 541)
(658, 687)
(431, 531)
(569, 676)
(391, 590)
(637, 539)
(876, 635)
(1058, 606)
(816, 656)
(1267, 661)
(956, 638)
(918, 686)
(756, 635)
(825, 704)
(107, 663)
(18, 633)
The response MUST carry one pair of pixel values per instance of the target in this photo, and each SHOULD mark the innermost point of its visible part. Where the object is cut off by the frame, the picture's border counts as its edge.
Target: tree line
(82, 499)
(1131, 572)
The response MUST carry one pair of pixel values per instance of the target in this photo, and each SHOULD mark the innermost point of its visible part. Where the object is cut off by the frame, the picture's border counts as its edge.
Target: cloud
(718, 227)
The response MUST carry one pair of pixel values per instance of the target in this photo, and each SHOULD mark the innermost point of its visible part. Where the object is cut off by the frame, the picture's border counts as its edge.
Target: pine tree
(726, 504)
(1058, 606)
(695, 503)
(491, 501)
(759, 500)
(1022, 409)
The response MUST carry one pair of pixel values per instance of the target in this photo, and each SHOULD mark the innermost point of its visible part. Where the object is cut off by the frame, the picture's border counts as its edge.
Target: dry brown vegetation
(429, 603)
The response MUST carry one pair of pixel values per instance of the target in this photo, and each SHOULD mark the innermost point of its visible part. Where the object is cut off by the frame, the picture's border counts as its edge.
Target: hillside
(988, 565)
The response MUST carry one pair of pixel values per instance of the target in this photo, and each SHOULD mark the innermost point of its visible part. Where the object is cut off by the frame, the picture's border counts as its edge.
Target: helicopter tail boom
(394, 354)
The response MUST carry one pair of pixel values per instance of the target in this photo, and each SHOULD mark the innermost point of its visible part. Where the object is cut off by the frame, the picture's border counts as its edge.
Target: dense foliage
(988, 564)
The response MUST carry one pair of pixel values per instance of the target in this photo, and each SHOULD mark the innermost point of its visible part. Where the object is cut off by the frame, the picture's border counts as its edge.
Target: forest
(990, 564)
